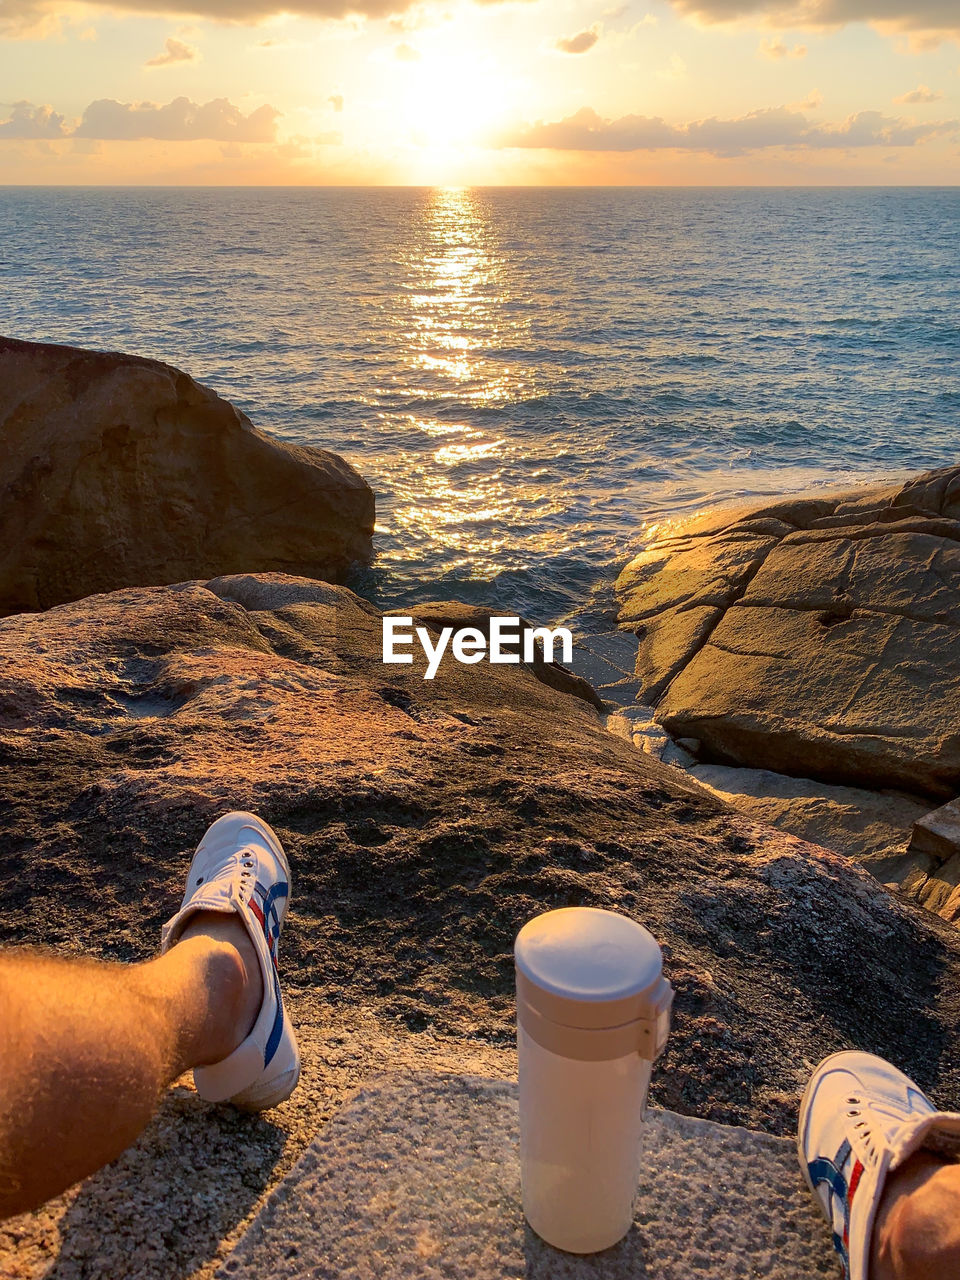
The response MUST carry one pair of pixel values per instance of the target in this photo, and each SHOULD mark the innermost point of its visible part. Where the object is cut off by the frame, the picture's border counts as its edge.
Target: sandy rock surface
(426, 822)
(120, 471)
(818, 637)
(874, 827)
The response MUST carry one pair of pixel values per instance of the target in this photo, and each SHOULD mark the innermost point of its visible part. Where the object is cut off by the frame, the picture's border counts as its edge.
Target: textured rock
(419, 1178)
(938, 833)
(426, 822)
(936, 838)
(871, 826)
(118, 471)
(818, 637)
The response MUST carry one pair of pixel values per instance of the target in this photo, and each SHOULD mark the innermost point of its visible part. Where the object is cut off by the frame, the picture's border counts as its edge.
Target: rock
(119, 471)
(419, 1178)
(553, 673)
(426, 821)
(873, 827)
(938, 833)
(818, 637)
(939, 890)
(936, 838)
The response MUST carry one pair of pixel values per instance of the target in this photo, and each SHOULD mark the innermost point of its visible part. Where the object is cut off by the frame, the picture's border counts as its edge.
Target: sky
(476, 92)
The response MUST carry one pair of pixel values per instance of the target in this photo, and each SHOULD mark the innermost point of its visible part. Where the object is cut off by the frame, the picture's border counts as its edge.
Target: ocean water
(530, 379)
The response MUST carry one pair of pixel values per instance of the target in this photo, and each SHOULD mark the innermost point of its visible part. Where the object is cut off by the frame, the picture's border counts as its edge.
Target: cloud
(406, 53)
(920, 94)
(776, 49)
(758, 130)
(582, 42)
(675, 70)
(174, 51)
(917, 15)
(179, 121)
(336, 101)
(31, 18)
(28, 121)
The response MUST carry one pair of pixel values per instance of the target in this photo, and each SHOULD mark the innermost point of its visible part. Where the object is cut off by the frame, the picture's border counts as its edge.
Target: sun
(449, 99)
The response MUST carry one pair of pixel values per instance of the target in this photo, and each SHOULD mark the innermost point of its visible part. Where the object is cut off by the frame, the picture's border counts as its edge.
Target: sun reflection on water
(452, 487)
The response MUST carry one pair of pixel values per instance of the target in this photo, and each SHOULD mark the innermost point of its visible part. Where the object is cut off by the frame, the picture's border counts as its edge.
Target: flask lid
(585, 967)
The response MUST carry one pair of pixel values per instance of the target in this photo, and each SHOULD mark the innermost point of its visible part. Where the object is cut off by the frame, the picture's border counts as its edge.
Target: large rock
(818, 637)
(426, 822)
(118, 471)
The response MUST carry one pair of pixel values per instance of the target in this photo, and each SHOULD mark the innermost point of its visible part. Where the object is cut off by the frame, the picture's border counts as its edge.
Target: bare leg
(917, 1229)
(87, 1048)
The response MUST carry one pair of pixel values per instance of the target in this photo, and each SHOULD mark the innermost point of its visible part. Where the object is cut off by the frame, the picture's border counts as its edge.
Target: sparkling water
(530, 379)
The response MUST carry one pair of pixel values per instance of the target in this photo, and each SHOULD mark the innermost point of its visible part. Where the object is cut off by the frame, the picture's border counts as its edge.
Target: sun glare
(449, 100)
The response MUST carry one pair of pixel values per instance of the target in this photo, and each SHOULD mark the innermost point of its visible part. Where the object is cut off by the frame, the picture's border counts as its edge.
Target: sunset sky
(471, 92)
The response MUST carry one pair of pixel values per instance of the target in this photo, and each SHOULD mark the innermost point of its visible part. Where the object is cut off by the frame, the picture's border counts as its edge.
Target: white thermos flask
(593, 1014)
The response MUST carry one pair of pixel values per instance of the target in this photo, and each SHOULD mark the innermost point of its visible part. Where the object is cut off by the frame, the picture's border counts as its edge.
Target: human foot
(237, 893)
(860, 1120)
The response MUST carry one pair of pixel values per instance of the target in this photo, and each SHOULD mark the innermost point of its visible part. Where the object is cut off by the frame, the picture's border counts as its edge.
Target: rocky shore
(805, 655)
(426, 821)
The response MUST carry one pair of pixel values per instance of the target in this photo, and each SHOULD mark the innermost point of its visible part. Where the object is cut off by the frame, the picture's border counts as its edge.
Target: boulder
(818, 637)
(426, 822)
(119, 471)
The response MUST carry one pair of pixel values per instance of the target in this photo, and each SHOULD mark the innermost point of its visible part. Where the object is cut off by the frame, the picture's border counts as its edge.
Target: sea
(534, 381)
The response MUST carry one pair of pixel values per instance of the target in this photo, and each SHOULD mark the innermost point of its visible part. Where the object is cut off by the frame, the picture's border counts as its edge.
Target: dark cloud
(178, 121)
(22, 17)
(917, 15)
(28, 121)
(579, 43)
(174, 51)
(770, 127)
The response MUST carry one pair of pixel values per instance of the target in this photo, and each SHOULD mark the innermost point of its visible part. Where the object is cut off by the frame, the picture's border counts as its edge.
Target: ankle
(208, 983)
(916, 1236)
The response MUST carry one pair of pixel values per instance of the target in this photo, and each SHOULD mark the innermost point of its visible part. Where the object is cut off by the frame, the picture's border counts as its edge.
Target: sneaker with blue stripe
(240, 867)
(860, 1119)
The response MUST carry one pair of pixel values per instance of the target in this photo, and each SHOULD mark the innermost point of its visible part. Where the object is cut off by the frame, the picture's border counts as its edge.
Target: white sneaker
(861, 1118)
(240, 867)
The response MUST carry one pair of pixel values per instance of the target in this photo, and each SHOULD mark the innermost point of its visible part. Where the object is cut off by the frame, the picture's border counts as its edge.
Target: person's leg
(87, 1048)
(916, 1234)
(881, 1161)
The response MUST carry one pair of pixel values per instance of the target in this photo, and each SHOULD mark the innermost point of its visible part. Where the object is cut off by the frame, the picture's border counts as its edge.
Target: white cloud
(174, 51)
(920, 95)
(676, 70)
(758, 130)
(406, 53)
(336, 102)
(178, 121)
(28, 121)
(813, 100)
(776, 49)
(582, 42)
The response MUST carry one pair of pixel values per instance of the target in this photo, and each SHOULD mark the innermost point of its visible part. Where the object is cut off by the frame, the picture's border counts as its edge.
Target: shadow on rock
(173, 1198)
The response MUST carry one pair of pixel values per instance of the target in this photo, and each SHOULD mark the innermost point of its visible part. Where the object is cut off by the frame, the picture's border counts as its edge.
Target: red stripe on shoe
(854, 1182)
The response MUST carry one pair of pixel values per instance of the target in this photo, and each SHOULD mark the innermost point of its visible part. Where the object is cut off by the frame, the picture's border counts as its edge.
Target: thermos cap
(588, 968)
